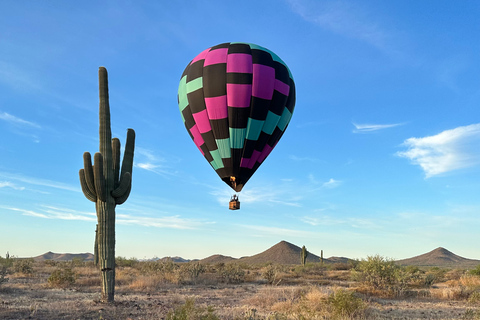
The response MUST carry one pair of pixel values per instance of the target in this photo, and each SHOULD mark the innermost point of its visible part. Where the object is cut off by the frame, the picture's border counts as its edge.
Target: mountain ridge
(287, 253)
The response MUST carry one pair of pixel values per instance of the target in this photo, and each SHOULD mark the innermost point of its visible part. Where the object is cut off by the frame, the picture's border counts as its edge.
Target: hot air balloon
(236, 100)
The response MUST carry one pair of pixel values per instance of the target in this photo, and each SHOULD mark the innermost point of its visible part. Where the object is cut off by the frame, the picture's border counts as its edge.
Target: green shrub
(3, 274)
(270, 274)
(343, 303)
(232, 273)
(24, 266)
(124, 262)
(377, 272)
(476, 271)
(62, 278)
(192, 270)
(189, 311)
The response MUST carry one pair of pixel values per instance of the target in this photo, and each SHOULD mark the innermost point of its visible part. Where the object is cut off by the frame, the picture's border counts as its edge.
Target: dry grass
(152, 291)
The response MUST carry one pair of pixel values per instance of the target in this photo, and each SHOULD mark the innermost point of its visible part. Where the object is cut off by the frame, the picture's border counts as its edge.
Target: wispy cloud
(330, 184)
(447, 151)
(343, 18)
(16, 120)
(325, 220)
(302, 159)
(165, 222)
(8, 184)
(148, 160)
(266, 195)
(364, 128)
(39, 182)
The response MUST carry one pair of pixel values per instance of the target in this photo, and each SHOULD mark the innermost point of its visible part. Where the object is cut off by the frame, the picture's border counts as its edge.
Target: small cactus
(106, 185)
(304, 255)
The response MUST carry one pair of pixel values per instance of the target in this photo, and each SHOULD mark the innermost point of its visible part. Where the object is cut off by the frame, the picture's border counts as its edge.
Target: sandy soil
(26, 299)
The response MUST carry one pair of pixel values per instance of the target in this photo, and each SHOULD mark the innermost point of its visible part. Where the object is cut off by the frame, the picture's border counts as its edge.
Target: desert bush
(471, 314)
(343, 303)
(24, 266)
(232, 273)
(190, 311)
(318, 303)
(470, 282)
(474, 298)
(269, 273)
(475, 271)
(155, 267)
(376, 271)
(124, 262)
(3, 275)
(435, 275)
(62, 278)
(193, 270)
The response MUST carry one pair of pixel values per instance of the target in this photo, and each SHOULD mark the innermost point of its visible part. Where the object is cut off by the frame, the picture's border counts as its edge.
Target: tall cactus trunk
(106, 247)
(104, 184)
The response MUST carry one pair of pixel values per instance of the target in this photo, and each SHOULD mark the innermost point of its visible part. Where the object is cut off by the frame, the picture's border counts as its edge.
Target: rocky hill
(64, 256)
(439, 257)
(282, 253)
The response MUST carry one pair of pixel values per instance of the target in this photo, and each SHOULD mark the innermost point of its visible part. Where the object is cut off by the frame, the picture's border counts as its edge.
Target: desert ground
(374, 288)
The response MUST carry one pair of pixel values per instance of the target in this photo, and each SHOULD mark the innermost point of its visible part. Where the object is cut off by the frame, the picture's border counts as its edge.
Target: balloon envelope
(236, 100)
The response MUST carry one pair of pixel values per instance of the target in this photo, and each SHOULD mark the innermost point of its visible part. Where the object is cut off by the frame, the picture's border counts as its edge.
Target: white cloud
(447, 151)
(166, 222)
(56, 213)
(40, 182)
(17, 121)
(363, 128)
(265, 195)
(332, 183)
(8, 184)
(147, 160)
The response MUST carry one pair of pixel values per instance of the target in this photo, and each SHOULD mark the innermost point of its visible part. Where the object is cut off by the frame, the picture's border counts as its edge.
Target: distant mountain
(217, 258)
(174, 259)
(439, 257)
(282, 253)
(64, 256)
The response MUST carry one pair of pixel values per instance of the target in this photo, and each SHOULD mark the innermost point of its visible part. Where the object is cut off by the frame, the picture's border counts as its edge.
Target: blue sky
(381, 156)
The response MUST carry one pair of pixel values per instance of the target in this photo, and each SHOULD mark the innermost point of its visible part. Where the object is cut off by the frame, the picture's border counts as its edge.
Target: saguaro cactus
(304, 255)
(106, 185)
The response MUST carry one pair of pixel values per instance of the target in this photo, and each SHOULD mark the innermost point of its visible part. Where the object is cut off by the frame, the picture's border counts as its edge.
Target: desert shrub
(62, 278)
(343, 303)
(376, 271)
(471, 314)
(475, 271)
(191, 271)
(156, 267)
(470, 282)
(474, 298)
(318, 303)
(232, 273)
(24, 266)
(3, 275)
(269, 273)
(190, 311)
(435, 275)
(124, 262)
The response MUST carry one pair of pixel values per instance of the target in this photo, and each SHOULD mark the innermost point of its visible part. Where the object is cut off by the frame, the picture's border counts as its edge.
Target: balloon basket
(234, 205)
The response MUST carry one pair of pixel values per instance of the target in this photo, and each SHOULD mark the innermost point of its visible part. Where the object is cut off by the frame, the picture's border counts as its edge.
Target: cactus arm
(127, 164)
(116, 161)
(86, 190)
(124, 186)
(89, 177)
(99, 177)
